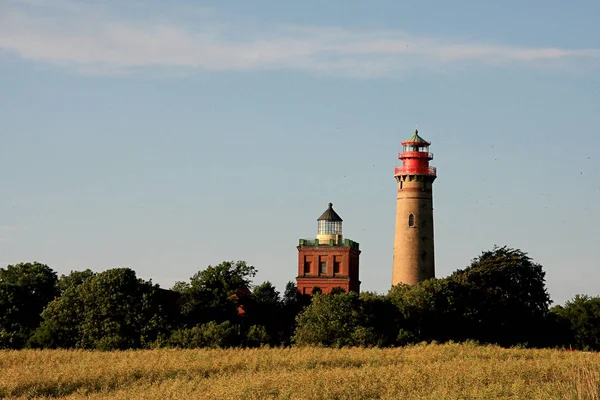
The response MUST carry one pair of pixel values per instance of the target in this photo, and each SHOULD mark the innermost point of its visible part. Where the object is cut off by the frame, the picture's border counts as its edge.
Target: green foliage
(74, 279)
(266, 310)
(365, 337)
(405, 337)
(210, 294)
(25, 289)
(223, 279)
(266, 294)
(291, 295)
(431, 310)
(512, 279)
(293, 304)
(110, 310)
(60, 327)
(507, 294)
(257, 336)
(583, 316)
(210, 334)
(381, 316)
(62, 317)
(500, 298)
(159, 314)
(180, 287)
(334, 321)
(337, 290)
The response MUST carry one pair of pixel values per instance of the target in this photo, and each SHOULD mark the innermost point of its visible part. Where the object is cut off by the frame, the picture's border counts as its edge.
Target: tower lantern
(329, 261)
(413, 242)
(329, 226)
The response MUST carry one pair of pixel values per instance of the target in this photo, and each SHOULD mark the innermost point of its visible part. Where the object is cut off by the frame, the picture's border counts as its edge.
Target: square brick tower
(328, 261)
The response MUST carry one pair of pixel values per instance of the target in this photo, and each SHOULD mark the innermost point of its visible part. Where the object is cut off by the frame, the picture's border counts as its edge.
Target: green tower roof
(416, 138)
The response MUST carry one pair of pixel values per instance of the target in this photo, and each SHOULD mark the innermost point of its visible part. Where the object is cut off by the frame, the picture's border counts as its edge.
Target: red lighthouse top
(415, 157)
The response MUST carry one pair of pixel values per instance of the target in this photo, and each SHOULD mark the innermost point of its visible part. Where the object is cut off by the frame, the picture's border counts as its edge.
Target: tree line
(499, 298)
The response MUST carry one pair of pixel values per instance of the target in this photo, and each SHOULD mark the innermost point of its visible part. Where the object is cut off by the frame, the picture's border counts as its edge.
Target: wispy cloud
(13, 228)
(93, 40)
(7, 232)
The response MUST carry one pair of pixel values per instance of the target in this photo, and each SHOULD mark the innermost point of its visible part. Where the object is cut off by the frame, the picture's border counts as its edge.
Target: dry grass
(450, 371)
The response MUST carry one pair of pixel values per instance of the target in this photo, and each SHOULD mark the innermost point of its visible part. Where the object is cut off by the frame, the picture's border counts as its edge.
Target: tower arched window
(411, 220)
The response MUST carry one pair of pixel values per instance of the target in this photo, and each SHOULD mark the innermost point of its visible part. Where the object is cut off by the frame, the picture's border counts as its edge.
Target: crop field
(448, 371)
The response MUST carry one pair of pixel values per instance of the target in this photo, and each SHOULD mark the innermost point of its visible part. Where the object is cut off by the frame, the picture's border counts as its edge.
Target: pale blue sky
(167, 136)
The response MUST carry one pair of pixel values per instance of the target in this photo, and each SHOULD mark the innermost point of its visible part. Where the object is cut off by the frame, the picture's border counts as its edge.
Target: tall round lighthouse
(413, 242)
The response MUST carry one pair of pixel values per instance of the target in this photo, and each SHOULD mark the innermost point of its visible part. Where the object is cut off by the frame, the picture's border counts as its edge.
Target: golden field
(448, 371)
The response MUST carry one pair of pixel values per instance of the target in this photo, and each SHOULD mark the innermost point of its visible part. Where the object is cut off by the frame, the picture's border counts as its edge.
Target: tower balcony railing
(415, 154)
(315, 242)
(402, 170)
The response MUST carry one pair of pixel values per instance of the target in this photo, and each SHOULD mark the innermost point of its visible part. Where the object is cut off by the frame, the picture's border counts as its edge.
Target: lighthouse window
(330, 228)
(411, 220)
(323, 267)
(322, 264)
(337, 262)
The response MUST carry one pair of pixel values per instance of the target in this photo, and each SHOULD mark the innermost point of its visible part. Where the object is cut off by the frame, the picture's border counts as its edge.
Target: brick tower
(328, 261)
(413, 242)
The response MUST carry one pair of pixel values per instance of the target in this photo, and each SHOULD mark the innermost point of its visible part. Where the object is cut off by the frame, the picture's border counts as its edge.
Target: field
(449, 371)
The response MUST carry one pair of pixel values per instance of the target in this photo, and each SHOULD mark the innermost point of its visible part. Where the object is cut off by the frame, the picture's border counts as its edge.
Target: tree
(381, 316)
(582, 314)
(257, 336)
(210, 294)
(337, 290)
(507, 297)
(293, 304)
(291, 295)
(74, 279)
(61, 320)
(111, 310)
(266, 311)
(266, 295)
(25, 289)
(62, 316)
(223, 279)
(334, 321)
(500, 298)
(431, 310)
(210, 334)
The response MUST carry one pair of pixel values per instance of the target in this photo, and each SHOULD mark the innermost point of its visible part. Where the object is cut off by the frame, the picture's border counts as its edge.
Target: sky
(167, 136)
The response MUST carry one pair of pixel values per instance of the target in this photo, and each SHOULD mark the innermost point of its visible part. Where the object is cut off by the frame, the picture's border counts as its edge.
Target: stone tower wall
(414, 259)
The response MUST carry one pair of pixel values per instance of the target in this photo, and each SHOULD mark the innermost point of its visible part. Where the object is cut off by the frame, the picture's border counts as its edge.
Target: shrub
(257, 336)
(210, 334)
